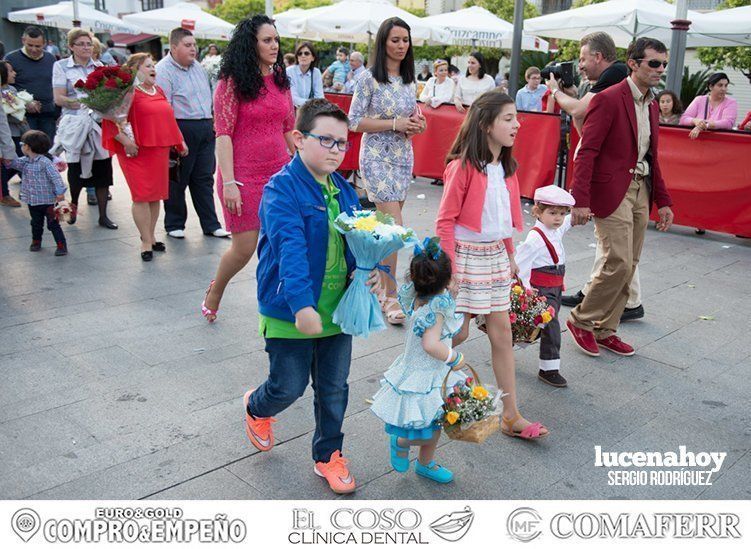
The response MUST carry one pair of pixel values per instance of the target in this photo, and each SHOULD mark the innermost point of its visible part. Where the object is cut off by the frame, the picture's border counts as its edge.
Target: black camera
(562, 72)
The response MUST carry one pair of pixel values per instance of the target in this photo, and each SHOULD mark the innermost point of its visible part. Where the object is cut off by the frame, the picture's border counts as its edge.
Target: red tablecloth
(352, 158)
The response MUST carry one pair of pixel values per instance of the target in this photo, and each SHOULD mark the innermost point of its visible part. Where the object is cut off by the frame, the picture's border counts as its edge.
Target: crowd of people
(275, 143)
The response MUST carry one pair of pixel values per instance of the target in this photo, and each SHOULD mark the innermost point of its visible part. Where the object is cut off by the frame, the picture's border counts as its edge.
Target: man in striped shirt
(187, 88)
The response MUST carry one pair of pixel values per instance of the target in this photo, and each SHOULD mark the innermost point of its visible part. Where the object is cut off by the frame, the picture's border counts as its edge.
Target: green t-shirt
(334, 280)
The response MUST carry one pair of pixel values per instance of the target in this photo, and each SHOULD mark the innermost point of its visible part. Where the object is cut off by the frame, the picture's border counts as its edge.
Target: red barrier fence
(709, 178)
(352, 158)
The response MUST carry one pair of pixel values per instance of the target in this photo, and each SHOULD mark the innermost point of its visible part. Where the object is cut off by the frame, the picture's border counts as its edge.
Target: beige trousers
(621, 236)
(634, 291)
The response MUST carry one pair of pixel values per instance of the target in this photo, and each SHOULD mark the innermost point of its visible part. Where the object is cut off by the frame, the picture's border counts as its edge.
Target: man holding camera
(597, 62)
(616, 180)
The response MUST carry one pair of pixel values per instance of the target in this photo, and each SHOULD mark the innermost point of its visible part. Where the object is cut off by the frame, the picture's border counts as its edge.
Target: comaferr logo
(644, 525)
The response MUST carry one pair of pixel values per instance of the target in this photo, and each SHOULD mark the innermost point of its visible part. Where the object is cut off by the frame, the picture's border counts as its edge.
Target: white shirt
(533, 254)
(468, 90)
(435, 93)
(496, 211)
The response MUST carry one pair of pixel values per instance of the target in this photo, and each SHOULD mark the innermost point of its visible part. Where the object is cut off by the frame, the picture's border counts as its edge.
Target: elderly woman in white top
(473, 84)
(97, 171)
(304, 76)
(439, 88)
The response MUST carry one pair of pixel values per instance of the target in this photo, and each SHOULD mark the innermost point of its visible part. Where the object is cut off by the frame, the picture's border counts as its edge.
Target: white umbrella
(189, 16)
(283, 22)
(476, 26)
(358, 21)
(61, 16)
(624, 20)
(733, 24)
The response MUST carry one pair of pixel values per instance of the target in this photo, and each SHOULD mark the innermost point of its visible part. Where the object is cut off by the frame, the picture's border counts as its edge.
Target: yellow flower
(451, 417)
(546, 317)
(479, 392)
(366, 223)
(517, 290)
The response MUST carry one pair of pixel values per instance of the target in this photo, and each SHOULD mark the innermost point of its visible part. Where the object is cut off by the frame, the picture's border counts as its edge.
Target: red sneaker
(614, 344)
(258, 429)
(584, 340)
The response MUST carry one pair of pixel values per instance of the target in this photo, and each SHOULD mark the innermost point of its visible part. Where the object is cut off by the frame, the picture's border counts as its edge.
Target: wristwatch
(556, 90)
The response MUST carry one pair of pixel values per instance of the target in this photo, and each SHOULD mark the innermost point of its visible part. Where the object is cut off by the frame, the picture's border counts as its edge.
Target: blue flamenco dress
(409, 401)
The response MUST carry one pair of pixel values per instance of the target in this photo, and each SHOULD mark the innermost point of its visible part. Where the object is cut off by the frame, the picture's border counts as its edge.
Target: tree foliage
(738, 57)
(505, 8)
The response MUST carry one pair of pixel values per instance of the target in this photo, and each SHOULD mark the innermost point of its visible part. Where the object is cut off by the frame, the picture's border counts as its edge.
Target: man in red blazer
(616, 179)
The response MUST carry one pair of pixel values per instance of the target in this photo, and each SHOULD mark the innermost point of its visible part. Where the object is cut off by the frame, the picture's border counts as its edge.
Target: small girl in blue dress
(410, 400)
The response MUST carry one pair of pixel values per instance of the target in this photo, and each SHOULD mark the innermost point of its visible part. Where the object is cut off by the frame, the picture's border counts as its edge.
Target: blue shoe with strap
(400, 463)
(433, 471)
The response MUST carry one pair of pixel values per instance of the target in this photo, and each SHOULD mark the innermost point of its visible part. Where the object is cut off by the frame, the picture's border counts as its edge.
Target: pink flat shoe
(205, 311)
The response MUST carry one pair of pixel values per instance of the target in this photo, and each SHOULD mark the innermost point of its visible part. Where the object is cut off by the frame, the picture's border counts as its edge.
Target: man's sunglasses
(654, 63)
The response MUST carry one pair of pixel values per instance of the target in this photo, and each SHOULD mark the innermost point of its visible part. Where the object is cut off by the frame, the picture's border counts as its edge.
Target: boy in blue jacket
(303, 269)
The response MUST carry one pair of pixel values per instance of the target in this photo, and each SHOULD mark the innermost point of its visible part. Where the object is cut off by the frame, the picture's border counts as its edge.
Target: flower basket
(529, 313)
(471, 412)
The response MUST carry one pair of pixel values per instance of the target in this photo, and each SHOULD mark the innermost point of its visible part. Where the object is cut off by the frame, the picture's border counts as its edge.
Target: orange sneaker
(336, 473)
(258, 429)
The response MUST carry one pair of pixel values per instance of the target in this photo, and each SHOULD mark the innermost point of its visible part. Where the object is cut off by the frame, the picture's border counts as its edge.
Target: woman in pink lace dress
(254, 118)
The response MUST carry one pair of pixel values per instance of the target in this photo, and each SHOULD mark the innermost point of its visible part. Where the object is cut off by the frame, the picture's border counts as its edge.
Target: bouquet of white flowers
(372, 237)
(14, 103)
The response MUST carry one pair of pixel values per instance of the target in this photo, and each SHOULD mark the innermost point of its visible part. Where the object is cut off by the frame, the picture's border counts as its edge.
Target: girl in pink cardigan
(714, 111)
(479, 210)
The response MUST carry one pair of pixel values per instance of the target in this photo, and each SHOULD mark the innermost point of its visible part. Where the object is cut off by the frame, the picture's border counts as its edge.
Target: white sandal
(394, 316)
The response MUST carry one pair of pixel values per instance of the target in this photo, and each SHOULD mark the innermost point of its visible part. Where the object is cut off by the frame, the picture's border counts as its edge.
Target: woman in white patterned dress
(384, 108)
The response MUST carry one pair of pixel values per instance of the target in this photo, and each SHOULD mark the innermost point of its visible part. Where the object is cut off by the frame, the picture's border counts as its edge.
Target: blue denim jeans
(325, 361)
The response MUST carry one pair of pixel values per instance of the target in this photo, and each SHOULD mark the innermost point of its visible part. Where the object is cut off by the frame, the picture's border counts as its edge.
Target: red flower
(79, 84)
(124, 76)
(523, 307)
(95, 77)
(90, 84)
(551, 311)
(512, 317)
(469, 380)
(538, 320)
(111, 83)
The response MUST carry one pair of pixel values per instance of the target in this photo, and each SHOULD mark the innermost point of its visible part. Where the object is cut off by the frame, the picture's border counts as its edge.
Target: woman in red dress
(145, 159)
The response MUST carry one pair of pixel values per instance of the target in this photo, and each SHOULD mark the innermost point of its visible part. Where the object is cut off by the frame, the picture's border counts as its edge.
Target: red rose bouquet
(109, 93)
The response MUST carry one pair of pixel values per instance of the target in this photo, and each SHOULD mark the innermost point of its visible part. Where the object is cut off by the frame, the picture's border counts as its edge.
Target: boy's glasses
(329, 142)
(654, 63)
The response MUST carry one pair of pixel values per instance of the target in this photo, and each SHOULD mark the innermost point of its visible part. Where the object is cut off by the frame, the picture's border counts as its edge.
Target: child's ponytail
(430, 269)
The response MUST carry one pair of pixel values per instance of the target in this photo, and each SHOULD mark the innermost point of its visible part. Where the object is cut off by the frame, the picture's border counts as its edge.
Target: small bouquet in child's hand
(529, 314)
(109, 93)
(371, 237)
(14, 103)
(470, 410)
(64, 210)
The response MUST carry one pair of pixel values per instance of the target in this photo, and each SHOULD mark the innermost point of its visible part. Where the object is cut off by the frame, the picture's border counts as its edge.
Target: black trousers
(196, 174)
(38, 215)
(550, 339)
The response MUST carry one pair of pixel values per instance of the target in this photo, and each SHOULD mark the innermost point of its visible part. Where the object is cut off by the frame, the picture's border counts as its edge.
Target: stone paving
(115, 387)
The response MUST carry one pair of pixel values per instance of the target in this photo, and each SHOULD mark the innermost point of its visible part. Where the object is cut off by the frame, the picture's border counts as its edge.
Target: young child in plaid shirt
(41, 187)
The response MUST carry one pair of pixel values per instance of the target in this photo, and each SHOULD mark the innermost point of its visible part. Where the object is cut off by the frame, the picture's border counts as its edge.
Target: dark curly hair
(240, 60)
(430, 270)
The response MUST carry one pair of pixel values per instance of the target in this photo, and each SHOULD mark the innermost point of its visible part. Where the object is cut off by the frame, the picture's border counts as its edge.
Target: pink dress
(259, 150)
